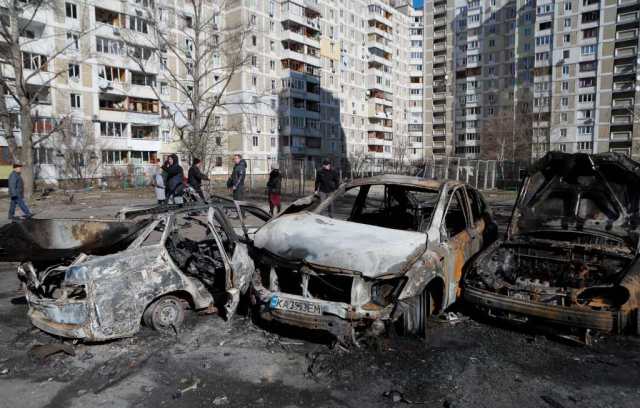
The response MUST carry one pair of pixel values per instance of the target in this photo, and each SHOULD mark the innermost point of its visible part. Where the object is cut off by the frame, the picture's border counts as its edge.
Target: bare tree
(206, 57)
(506, 138)
(25, 78)
(78, 146)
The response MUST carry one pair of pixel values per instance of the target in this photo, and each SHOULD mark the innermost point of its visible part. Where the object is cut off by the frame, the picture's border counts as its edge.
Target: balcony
(621, 120)
(622, 103)
(625, 52)
(623, 86)
(624, 69)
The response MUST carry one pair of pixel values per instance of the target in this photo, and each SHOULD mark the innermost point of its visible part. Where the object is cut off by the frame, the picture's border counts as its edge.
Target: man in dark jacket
(196, 176)
(16, 192)
(238, 174)
(175, 179)
(273, 188)
(327, 181)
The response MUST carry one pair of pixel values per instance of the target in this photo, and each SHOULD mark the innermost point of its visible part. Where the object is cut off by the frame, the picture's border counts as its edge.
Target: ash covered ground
(212, 362)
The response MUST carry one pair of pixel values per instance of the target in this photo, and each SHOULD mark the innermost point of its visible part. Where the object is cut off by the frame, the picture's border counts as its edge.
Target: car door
(457, 239)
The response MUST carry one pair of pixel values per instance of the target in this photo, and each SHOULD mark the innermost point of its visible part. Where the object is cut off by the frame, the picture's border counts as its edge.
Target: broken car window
(455, 221)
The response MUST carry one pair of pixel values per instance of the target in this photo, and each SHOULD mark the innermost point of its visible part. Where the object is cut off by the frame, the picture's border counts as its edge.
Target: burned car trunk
(188, 258)
(569, 258)
(48, 241)
(394, 255)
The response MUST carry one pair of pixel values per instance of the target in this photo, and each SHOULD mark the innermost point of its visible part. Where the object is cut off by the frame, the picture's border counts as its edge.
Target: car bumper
(502, 306)
(336, 318)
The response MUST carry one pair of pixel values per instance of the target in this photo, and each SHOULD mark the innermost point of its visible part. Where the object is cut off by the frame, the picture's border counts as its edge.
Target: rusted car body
(397, 254)
(192, 256)
(569, 259)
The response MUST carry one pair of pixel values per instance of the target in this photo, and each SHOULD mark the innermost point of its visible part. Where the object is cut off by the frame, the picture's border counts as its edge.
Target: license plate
(295, 305)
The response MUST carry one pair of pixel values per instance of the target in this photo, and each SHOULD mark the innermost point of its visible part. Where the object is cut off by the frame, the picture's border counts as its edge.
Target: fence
(298, 176)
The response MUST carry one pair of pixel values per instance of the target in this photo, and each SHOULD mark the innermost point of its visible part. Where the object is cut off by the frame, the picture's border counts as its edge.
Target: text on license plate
(295, 305)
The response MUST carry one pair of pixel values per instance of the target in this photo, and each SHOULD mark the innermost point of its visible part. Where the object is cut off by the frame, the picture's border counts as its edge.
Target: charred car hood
(340, 245)
(579, 193)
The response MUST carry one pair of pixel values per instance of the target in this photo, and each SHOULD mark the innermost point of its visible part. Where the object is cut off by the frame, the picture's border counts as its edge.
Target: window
(564, 117)
(566, 54)
(590, 33)
(109, 46)
(74, 72)
(567, 38)
(567, 6)
(73, 41)
(75, 101)
(254, 40)
(113, 129)
(565, 85)
(71, 10)
(166, 136)
(563, 132)
(138, 24)
(589, 49)
(585, 130)
(583, 98)
(455, 221)
(565, 70)
(164, 88)
(34, 61)
(567, 22)
(77, 129)
(564, 101)
(255, 140)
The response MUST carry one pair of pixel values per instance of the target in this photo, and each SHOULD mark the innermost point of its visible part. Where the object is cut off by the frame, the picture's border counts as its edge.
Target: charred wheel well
(180, 294)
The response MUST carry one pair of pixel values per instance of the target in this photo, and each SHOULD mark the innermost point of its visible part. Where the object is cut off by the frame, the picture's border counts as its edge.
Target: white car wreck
(395, 253)
(189, 258)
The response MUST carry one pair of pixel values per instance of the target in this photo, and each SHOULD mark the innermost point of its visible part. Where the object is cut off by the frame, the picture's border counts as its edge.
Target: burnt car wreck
(570, 256)
(190, 258)
(397, 255)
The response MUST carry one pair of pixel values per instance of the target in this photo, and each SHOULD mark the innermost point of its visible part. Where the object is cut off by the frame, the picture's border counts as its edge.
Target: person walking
(175, 180)
(16, 192)
(157, 181)
(196, 176)
(273, 189)
(236, 181)
(327, 182)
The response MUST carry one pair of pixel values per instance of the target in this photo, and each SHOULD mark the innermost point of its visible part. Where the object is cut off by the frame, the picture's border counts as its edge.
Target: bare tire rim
(167, 313)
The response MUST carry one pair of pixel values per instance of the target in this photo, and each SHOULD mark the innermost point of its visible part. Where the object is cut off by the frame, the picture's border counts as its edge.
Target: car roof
(418, 182)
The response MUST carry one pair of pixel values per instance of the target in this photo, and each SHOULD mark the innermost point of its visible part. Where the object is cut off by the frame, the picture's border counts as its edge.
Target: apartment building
(589, 82)
(478, 68)
(322, 78)
(335, 76)
(565, 69)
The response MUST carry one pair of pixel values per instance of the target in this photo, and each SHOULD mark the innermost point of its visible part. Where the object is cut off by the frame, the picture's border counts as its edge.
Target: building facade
(564, 71)
(321, 78)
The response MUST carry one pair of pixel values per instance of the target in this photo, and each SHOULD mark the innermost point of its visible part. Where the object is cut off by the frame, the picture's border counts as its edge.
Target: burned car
(570, 257)
(188, 258)
(394, 253)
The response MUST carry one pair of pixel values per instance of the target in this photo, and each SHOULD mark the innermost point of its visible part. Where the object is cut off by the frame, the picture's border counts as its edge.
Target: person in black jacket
(196, 176)
(236, 181)
(327, 181)
(175, 180)
(274, 188)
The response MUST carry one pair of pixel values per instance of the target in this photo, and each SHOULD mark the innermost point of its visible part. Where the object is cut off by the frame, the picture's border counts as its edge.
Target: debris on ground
(42, 351)
(396, 396)
(221, 400)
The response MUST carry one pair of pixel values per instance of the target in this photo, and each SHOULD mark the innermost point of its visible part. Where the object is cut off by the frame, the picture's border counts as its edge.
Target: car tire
(165, 314)
(415, 319)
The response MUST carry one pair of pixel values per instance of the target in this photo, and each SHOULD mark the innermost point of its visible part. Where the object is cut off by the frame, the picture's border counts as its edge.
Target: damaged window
(192, 246)
(394, 206)
(455, 221)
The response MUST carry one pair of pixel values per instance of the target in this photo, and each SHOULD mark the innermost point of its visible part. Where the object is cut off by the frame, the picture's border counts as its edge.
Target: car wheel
(165, 314)
(415, 319)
